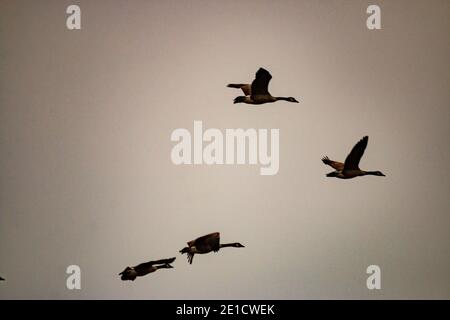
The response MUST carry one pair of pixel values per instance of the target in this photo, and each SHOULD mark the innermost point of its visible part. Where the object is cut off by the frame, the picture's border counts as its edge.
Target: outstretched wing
(260, 86)
(335, 164)
(149, 265)
(163, 261)
(352, 160)
(246, 88)
(210, 242)
(144, 268)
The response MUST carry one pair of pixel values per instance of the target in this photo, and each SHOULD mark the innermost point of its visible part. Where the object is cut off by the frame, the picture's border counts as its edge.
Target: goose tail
(332, 174)
(240, 99)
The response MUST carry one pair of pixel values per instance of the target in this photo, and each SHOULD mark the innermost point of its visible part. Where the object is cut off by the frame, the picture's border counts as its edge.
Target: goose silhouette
(350, 168)
(206, 244)
(258, 91)
(131, 273)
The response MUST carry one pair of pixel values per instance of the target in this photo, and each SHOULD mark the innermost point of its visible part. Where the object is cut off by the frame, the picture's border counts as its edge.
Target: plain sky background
(86, 176)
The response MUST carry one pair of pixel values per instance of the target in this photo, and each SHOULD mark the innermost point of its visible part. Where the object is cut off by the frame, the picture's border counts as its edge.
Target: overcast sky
(86, 176)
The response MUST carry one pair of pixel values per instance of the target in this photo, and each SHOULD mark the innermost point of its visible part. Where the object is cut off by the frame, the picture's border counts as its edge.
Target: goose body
(206, 244)
(350, 168)
(131, 273)
(258, 91)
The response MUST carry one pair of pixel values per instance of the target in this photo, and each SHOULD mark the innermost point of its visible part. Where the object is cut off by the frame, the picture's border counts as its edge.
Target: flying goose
(130, 273)
(258, 92)
(206, 244)
(350, 168)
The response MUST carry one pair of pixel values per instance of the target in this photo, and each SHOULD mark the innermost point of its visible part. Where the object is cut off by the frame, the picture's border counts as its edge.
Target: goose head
(375, 173)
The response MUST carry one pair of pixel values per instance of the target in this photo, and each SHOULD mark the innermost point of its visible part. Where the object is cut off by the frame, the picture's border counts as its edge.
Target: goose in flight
(206, 244)
(130, 273)
(350, 168)
(258, 91)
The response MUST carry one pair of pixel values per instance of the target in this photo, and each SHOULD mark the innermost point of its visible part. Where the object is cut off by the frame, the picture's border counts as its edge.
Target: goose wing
(335, 164)
(163, 261)
(207, 243)
(148, 265)
(260, 86)
(352, 160)
(246, 88)
(144, 268)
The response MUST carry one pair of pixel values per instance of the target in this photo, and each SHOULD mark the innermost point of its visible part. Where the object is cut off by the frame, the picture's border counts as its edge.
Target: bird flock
(256, 93)
(201, 245)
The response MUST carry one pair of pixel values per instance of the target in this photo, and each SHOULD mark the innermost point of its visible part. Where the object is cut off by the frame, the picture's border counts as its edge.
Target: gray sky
(85, 170)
